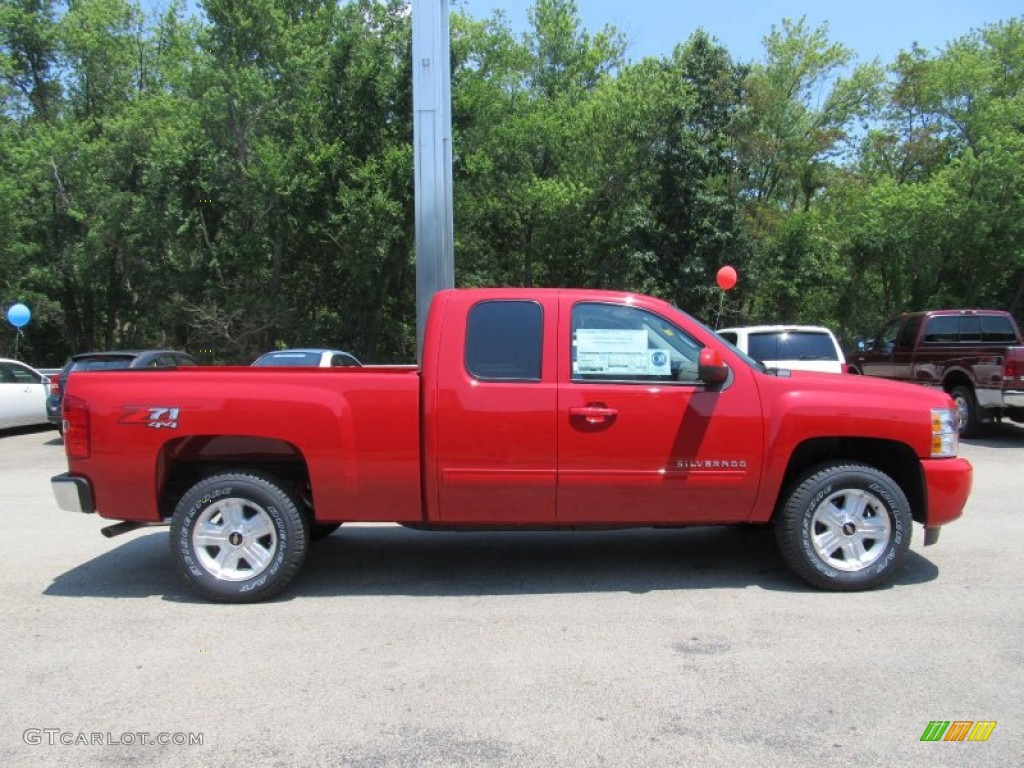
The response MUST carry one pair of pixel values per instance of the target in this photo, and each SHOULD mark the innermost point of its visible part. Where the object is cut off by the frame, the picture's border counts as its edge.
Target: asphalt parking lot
(402, 648)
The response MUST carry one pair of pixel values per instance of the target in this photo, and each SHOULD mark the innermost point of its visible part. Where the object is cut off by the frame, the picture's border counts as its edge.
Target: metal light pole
(432, 155)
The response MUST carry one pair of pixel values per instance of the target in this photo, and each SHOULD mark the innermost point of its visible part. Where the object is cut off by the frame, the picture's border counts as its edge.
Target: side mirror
(711, 368)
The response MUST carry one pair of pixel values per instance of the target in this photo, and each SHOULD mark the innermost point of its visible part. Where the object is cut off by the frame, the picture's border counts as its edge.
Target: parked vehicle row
(976, 356)
(28, 397)
(109, 361)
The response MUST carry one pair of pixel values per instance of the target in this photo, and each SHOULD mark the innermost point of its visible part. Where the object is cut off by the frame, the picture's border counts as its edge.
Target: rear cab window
(792, 345)
(996, 328)
(504, 341)
(966, 329)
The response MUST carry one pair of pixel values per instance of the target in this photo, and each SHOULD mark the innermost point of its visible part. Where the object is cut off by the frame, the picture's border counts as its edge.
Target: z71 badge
(152, 416)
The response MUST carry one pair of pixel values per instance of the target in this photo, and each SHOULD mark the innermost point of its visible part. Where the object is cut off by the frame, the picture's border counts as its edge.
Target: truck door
(877, 358)
(640, 438)
(905, 351)
(496, 414)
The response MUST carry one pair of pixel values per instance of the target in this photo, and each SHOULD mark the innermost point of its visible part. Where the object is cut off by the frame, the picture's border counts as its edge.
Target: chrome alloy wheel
(234, 539)
(850, 530)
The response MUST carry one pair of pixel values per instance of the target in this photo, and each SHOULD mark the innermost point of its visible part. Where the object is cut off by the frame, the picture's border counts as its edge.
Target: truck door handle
(595, 413)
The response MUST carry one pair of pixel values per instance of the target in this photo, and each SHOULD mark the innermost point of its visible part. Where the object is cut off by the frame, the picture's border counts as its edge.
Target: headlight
(945, 436)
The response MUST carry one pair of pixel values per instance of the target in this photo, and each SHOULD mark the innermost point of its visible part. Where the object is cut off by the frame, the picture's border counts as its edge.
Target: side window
(909, 332)
(887, 338)
(942, 329)
(7, 374)
(997, 328)
(343, 361)
(17, 374)
(503, 341)
(616, 343)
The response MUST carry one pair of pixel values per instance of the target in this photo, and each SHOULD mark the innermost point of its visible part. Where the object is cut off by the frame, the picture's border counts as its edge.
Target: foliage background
(242, 180)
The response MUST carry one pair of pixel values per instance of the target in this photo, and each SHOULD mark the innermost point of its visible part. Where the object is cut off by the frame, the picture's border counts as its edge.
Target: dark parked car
(109, 361)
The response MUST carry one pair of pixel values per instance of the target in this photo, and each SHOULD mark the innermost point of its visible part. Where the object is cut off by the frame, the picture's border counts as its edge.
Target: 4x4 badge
(152, 416)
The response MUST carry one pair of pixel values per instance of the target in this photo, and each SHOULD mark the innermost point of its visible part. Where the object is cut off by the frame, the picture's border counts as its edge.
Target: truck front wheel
(966, 410)
(238, 537)
(844, 527)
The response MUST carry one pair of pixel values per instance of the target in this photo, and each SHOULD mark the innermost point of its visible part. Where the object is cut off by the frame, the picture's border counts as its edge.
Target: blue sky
(872, 28)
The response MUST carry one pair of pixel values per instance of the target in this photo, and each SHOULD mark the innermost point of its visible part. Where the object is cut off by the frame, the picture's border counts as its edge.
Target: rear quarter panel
(357, 429)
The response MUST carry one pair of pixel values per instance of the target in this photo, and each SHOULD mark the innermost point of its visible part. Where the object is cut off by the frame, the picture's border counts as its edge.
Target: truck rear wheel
(238, 537)
(844, 527)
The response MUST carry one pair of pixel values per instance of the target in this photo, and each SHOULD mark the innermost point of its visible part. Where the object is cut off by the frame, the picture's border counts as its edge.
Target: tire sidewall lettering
(795, 531)
(281, 519)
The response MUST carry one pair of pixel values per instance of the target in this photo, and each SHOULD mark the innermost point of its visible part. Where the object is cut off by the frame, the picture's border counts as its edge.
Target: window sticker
(659, 364)
(614, 352)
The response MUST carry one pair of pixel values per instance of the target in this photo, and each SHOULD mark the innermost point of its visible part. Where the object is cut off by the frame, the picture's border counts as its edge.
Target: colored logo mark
(958, 730)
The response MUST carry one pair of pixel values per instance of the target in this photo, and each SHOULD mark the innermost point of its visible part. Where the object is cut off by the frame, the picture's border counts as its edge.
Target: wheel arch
(957, 377)
(895, 459)
(185, 461)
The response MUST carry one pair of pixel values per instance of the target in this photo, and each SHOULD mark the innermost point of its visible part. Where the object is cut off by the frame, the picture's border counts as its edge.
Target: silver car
(309, 357)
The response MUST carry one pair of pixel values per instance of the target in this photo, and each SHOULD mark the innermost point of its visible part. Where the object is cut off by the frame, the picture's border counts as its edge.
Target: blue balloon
(19, 315)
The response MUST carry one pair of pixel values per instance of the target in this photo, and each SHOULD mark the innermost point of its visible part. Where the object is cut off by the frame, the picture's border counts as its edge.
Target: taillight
(55, 384)
(76, 427)
(1011, 370)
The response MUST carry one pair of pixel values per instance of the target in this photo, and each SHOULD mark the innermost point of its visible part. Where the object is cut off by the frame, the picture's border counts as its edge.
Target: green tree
(801, 109)
(933, 215)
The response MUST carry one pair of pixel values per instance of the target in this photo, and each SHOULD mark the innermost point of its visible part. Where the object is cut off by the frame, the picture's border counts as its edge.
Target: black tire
(318, 531)
(966, 410)
(844, 527)
(238, 537)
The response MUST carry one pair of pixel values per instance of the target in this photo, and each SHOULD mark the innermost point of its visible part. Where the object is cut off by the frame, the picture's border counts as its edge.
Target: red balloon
(726, 278)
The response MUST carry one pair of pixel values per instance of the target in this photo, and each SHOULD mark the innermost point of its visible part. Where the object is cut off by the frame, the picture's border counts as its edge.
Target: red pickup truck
(533, 409)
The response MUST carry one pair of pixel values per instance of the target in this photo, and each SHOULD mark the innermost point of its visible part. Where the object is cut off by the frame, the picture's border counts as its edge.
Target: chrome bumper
(1013, 398)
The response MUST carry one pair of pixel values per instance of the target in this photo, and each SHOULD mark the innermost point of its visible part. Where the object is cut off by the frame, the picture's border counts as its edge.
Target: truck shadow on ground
(391, 560)
(1004, 434)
